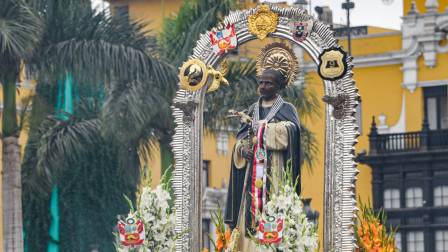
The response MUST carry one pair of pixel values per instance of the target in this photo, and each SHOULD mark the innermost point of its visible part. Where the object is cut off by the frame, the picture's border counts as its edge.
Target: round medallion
(193, 75)
(260, 154)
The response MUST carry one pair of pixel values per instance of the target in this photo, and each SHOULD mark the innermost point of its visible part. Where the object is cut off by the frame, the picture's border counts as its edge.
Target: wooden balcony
(423, 140)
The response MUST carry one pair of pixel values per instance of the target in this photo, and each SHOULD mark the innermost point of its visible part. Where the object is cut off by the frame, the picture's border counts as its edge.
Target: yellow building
(391, 69)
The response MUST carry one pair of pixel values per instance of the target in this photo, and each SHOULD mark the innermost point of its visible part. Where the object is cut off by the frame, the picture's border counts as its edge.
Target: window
(391, 198)
(222, 142)
(398, 241)
(415, 241)
(205, 175)
(442, 241)
(414, 197)
(441, 196)
(436, 107)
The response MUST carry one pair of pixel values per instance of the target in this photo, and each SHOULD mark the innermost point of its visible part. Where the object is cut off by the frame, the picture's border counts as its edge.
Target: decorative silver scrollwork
(338, 102)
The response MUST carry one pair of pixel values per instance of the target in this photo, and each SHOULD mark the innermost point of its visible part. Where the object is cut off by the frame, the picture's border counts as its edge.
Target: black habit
(287, 112)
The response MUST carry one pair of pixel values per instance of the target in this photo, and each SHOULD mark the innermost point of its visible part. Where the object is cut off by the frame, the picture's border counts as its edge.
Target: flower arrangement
(154, 210)
(298, 234)
(223, 234)
(371, 233)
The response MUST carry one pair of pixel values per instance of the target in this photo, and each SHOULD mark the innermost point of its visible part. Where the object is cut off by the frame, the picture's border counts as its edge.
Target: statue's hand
(247, 153)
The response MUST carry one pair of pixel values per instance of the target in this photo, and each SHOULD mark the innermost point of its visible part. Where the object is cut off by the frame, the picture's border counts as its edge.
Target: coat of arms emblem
(301, 29)
(332, 64)
(224, 40)
(131, 231)
(262, 22)
(270, 230)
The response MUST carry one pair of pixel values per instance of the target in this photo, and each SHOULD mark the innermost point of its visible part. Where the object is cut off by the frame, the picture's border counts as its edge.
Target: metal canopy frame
(340, 136)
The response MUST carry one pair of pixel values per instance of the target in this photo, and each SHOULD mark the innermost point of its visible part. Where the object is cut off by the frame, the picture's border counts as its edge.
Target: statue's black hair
(279, 78)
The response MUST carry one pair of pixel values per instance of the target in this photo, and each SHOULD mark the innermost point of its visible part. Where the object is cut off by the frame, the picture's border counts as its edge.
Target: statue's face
(268, 86)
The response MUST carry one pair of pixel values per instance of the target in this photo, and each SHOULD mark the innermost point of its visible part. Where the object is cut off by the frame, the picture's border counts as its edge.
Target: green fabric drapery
(64, 108)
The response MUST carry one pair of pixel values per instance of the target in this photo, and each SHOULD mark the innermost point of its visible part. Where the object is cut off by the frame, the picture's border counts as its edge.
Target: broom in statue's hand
(246, 119)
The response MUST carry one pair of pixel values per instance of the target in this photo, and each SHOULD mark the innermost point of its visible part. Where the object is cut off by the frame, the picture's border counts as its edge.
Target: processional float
(199, 75)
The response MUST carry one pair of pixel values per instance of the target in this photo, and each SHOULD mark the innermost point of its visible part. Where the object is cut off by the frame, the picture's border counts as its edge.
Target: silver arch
(340, 135)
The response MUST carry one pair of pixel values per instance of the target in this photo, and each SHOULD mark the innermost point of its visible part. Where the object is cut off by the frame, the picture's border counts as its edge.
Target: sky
(382, 13)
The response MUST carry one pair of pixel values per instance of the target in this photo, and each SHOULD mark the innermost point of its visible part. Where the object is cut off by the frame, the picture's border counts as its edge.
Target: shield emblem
(131, 231)
(224, 40)
(332, 64)
(301, 29)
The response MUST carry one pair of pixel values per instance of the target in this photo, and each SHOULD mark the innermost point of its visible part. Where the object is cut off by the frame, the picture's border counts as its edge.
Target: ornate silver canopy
(340, 134)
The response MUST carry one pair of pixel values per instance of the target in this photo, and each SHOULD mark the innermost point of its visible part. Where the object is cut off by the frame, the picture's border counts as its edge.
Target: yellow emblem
(263, 22)
(259, 183)
(193, 75)
(332, 64)
(217, 79)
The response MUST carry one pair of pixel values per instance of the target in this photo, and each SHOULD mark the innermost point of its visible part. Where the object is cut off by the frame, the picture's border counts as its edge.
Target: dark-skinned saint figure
(266, 144)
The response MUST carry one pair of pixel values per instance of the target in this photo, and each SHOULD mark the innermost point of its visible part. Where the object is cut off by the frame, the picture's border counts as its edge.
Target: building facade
(409, 160)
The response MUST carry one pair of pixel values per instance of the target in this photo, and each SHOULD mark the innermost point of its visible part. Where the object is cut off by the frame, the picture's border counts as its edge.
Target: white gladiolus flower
(159, 220)
(299, 234)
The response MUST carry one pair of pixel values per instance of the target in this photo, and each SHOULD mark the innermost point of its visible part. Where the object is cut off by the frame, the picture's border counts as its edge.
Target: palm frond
(99, 47)
(20, 31)
(241, 93)
(304, 99)
(129, 107)
(180, 33)
(309, 147)
(65, 142)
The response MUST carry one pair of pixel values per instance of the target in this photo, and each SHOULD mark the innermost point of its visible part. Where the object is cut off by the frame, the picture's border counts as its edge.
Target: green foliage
(20, 32)
(110, 58)
(180, 32)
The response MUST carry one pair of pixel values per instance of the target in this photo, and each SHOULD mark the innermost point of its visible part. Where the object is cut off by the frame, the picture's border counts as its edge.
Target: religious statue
(269, 138)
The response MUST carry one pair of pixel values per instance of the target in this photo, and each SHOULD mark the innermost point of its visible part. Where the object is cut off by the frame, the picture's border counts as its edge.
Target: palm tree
(108, 55)
(19, 34)
(177, 41)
